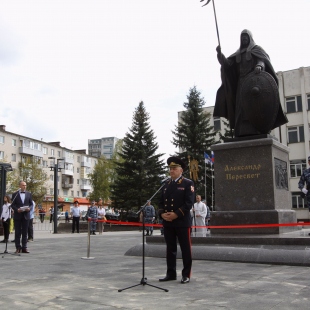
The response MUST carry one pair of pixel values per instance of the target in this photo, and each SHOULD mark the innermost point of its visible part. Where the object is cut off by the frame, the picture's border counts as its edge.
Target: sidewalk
(53, 276)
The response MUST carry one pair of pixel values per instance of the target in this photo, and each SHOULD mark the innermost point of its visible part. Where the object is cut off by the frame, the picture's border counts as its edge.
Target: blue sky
(76, 70)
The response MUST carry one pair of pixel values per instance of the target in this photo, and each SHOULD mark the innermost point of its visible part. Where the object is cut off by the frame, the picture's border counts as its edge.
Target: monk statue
(249, 95)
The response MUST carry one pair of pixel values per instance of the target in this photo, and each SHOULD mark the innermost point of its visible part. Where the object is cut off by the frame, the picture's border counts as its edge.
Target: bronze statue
(249, 96)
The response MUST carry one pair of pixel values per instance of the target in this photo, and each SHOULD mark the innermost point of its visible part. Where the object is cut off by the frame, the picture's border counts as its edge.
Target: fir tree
(228, 132)
(193, 136)
(139, 173)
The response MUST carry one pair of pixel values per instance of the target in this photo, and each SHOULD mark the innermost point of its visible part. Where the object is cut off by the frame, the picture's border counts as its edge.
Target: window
(295, 134)
(1, 139)
(78, 170)
(52, 152)
(65, 192)
(72, 193)
(84, 193)
(77, 181)
(308, 100)
(293, 104)
(297, 201)
(37, 146)
(78, 194)
(44, 150)
(51, 177)
(217, 123)
(79, 159)
(51, 191)
(44, 163)
(1, 154)
(13, 159)
(297, 167)
(58, 153)
(14, 142)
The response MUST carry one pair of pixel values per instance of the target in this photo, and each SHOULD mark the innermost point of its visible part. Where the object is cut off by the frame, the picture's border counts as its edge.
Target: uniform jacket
(177, 197)
(17, 203)
(305, 178)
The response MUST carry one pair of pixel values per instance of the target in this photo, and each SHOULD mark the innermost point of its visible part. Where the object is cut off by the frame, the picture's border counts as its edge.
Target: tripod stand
(144, 279)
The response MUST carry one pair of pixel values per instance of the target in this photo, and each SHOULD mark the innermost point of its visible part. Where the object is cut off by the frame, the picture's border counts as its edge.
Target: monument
(251, 181)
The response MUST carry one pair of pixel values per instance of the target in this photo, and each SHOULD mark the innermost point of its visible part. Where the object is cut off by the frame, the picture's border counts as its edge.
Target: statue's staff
(217, 30)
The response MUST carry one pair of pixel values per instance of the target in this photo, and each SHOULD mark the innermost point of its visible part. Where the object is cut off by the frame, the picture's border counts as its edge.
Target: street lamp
(4, 167)
(56, 166)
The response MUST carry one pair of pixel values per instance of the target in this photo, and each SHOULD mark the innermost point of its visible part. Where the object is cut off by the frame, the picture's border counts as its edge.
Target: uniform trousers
(76, 224)
(30, 229)
(182, 234)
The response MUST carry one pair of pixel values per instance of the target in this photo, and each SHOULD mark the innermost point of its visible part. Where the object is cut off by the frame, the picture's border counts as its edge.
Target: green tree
(139, 170)
(193, 136)
(30, 171)
(229, 133)
(104, 175)
(100, 180)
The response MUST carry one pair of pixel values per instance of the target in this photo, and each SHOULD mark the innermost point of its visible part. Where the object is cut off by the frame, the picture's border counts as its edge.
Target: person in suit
(21, 204)
(177, 198)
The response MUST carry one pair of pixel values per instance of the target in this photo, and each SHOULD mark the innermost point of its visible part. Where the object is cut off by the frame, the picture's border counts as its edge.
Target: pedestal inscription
(251, 185)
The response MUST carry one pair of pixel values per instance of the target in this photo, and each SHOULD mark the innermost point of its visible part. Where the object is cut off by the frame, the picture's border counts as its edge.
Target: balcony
(66, 185)
(85, 164)
(67, 172)
(69, 160)
(85, 187)
(28, 151)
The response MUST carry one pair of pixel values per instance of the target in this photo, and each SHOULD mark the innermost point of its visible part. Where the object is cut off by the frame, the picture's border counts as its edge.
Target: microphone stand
(6, 240)
(144, 279)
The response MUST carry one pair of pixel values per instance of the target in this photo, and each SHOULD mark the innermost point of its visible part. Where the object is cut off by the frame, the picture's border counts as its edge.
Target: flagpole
(212, 186)
(205, 182)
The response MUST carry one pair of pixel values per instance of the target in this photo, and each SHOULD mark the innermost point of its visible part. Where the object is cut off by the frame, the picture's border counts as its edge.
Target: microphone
(164, 180)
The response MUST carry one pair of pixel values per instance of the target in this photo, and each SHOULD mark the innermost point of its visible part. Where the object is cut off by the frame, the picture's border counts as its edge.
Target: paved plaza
(54, 276)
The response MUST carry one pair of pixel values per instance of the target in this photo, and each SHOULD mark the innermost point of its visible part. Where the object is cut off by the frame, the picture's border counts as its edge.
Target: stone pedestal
(251, 186)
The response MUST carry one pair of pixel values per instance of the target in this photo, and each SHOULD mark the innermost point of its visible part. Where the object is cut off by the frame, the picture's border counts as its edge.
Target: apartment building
(102, 146)
(294, 90)
(73, 179)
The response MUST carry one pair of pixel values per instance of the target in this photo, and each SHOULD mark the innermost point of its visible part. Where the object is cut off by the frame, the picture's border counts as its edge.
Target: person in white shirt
(76, 214)
(5, 218)
(199, 213)
(101, 216)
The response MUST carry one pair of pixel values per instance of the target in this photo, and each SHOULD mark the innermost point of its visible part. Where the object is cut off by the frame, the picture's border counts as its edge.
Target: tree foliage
(229, 133)
(140, 169)
(33, 174)
(193, 136)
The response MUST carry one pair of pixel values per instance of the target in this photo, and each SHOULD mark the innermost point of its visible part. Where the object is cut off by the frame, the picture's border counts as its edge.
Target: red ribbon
(213, 227)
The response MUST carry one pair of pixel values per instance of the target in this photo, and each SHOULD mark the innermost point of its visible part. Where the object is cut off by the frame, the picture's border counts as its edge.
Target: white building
(73, 180)
(102, 146)
(294, 89)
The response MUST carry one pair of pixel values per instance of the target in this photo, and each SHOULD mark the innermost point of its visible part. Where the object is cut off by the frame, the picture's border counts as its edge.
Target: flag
(207, 159)
(212, 157)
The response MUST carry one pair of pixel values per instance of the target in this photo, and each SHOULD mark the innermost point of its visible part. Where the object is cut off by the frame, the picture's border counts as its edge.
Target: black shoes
(167, 278)
(185, 280)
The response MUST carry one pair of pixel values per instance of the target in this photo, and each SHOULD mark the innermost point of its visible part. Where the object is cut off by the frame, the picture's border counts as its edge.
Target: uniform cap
(175, 162)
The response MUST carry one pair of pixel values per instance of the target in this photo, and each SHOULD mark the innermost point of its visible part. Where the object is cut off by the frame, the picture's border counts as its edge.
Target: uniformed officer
(305, 180)
(176, 201)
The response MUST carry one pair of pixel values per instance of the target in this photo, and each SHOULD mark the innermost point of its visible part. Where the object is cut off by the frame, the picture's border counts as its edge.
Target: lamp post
(55, 166)
(4, 167)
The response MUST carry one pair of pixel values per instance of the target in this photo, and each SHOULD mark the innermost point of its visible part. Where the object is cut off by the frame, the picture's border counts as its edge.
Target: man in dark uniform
(176, 201)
